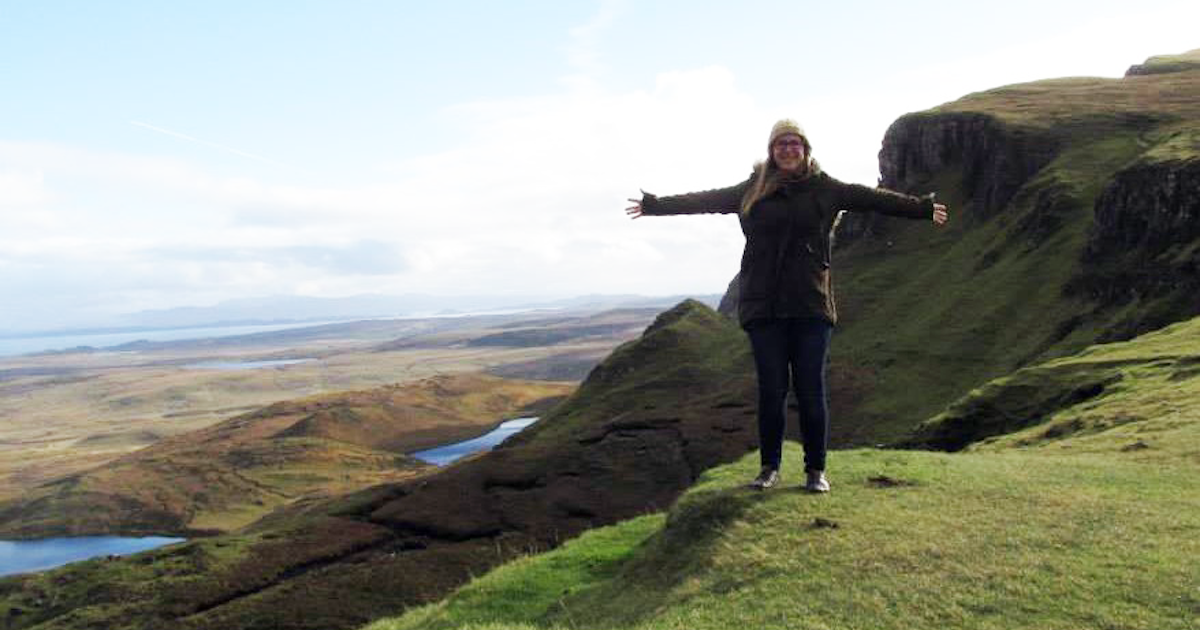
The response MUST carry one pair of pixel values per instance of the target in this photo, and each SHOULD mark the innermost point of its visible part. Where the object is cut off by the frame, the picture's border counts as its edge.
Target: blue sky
(159, 154)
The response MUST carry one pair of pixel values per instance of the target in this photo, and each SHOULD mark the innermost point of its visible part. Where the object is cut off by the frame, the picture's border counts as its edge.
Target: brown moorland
(228, 475)
(66, 413)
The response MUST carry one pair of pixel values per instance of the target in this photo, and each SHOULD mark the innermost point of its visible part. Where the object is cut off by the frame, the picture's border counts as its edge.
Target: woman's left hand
(940, 214)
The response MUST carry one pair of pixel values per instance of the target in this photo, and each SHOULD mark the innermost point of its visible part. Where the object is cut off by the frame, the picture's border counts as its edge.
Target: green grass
(1163, 64)
(936, 312)
(1147, 412)
(1010, 540)
(1088, 518)
(1138, 399)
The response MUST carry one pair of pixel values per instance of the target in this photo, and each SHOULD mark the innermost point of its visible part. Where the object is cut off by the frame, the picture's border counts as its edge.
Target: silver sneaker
(816, 481)
(767, 478)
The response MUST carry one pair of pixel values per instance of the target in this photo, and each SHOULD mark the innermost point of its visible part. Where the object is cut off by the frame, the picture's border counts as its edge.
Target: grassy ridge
(906, 540)
(1084, 518)
(930, 314)
(1131, 400)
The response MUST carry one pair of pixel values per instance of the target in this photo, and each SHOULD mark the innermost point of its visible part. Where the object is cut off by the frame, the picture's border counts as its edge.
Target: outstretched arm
(884, 201)
(719, 201)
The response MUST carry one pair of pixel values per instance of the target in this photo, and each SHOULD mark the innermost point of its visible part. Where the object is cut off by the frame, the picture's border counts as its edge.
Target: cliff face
(994, 160)
(1148, 210)
(1073, 220)
(1142, 246)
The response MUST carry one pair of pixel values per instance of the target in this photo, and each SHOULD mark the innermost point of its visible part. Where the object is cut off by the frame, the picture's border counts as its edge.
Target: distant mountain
(298, 308)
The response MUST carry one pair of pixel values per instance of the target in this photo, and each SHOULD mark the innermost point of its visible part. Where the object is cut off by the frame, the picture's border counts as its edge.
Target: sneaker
(767, 478)
(816, 481)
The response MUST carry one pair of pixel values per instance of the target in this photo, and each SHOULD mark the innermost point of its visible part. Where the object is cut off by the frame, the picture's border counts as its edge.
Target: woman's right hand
(635, 210)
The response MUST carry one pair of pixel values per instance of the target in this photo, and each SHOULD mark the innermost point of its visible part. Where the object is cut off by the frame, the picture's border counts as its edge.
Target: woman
(787, 210)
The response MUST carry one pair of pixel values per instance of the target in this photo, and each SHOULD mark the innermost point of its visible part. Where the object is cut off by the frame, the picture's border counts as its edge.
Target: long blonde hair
(767, 177)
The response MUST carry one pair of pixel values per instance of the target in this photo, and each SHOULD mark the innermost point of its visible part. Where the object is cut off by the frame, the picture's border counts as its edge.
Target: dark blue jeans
(795, 350)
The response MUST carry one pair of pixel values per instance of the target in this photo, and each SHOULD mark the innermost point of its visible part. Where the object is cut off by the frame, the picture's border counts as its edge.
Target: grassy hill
(1048, 181)
(231, 474)
(1086, 518)
(1073, 221)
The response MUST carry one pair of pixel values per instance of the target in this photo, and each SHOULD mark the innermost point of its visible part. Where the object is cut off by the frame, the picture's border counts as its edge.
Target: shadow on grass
(683, 548)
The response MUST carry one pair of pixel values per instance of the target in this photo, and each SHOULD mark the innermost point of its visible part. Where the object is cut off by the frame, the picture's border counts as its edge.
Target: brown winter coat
(785, 264)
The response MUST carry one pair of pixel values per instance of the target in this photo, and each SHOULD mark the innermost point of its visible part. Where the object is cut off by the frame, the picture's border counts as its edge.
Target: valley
(67, 412)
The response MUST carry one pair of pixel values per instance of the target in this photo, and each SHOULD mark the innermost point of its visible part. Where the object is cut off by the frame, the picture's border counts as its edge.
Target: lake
(443, 455)
(19, 344)
(27, 556)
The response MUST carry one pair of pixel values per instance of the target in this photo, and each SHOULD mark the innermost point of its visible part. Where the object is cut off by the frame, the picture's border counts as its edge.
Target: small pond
(26, 556)
(443, 455)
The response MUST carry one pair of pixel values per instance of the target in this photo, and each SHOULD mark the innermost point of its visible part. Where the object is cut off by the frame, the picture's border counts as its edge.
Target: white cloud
(531, 202)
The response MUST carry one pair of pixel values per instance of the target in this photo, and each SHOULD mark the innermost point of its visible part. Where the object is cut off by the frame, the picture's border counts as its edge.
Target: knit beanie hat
(786, 126)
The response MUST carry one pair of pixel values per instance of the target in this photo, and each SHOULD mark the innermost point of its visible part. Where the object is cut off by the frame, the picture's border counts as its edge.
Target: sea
(18, 345)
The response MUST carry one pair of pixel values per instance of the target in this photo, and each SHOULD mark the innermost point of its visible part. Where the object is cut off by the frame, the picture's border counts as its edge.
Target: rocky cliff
(1074, 220)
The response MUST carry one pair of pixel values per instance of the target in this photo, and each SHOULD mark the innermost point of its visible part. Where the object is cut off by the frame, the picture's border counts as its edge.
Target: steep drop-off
(1074, 220)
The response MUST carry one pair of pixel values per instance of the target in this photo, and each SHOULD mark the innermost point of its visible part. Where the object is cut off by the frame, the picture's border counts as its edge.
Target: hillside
(1073, 222)
(915, 539)
(1137, 400)
(1084, 519)
(640, 429)
(231, 474)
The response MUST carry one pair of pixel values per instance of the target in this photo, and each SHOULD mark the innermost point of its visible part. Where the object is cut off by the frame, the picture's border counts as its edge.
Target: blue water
(26, 556)
(245, 365)
(443, 455)
(38, 555)
(11, 346)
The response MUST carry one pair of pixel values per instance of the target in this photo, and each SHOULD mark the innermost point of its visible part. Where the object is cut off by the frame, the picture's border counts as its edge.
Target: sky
(163, 154)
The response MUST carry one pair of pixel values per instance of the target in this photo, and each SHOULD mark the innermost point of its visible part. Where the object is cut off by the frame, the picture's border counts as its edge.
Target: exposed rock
(1149, 208)
(993, 159)
(1142, 246)
(728, 306)
(1166, 64)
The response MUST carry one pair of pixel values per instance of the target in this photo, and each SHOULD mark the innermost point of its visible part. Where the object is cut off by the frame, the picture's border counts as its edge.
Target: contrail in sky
(214, 145)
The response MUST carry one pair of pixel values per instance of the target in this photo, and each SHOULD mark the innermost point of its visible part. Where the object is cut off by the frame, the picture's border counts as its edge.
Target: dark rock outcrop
(1166, 64)
(1149, 208)
(993, 161)
(729, 301)
(1142, 247)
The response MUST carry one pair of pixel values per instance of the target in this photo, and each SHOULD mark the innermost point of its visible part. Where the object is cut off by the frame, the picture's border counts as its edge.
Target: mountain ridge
(928, 317)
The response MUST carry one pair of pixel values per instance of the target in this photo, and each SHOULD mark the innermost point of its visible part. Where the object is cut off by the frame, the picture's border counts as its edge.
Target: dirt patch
(884, 481)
